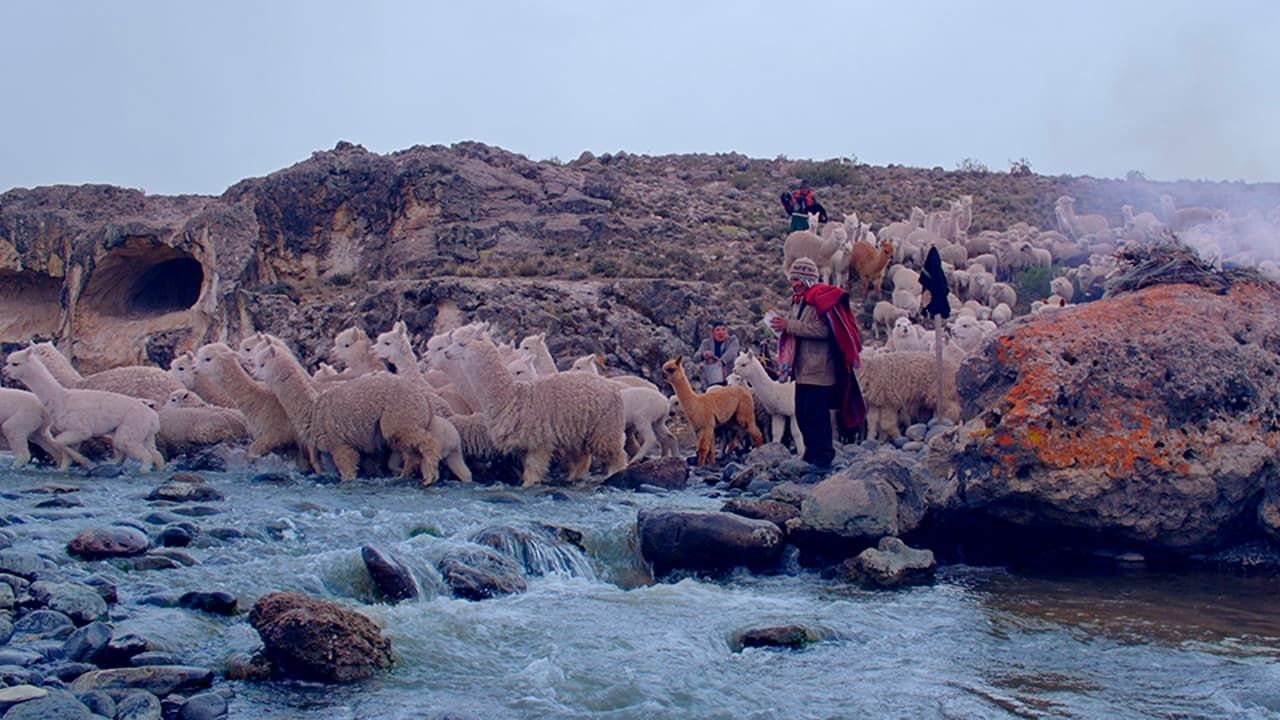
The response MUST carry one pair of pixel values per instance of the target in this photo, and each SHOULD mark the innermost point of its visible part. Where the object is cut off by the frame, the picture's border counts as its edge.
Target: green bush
(606, 267)
(1032, 284)
(825, 173)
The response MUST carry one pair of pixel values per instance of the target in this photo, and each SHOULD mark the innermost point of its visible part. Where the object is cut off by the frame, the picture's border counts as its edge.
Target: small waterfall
(540, 550)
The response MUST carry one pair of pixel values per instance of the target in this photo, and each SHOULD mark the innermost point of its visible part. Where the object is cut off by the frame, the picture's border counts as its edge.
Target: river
(593, 638)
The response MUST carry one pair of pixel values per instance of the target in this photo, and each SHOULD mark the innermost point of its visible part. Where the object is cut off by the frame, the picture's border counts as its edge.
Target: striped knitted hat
(804, 270)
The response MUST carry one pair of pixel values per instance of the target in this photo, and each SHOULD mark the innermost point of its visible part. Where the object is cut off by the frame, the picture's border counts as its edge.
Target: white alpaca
(777, 398)
(188, 423)
(906, 336)
(806, 243)
(23, 420)
(1077, 226)
(361, 416)
(183, 368)
(593, 364)
(353, 348)
(78, 415)
(646, 415)
(536, 345)
(571, 414)
(268, 423)
(138, 381)
(884, 315)
(899, 387)
(898, 231)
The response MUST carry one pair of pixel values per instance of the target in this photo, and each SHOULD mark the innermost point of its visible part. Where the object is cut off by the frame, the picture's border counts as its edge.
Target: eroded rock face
(313, 639)
(1151, 417)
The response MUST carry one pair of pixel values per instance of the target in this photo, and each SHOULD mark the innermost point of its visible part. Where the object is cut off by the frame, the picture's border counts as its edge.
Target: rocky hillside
(624, 254)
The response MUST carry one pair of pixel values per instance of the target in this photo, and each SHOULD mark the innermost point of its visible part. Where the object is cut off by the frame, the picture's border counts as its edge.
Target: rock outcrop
(1151, 418)
(312, 639)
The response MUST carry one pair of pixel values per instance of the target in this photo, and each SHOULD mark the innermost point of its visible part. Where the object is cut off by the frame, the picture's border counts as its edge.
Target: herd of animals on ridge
(473, 399)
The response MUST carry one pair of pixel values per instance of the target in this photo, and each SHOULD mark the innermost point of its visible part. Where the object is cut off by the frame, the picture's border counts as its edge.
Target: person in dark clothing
(801, 201)
(717, 354)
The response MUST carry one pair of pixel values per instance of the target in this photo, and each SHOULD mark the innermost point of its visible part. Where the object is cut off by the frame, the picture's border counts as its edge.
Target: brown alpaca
(707, 411)
(869, 262)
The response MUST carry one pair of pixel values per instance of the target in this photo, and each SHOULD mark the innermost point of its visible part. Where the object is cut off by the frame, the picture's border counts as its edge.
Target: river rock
(774, 511)
(87, 642)
(314, 639)
(179, 534)
(11, 696)
(706, 541)
(121, 650)
(390, 576)
(783, 636)
(670, 473)
(99, 702)
(205, 706)
(106, 542)
(43, 624)
(1111, 418)
(480, 573)
(57, 705)
(156, 679)
(139, 705)
(25, 565)
(76, 600)
(7, 597)
(890, 564)
(184, 488)
(217, 602)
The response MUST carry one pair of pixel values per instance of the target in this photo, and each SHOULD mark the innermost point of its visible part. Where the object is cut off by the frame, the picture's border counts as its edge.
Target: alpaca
(869, 263)
(395, 348)
(536, 345)
(899, 387)
(187, 423)
(646, 415)
(138, 381)
(363, 415)
(898, 231)
(711, 409)
(353, 348)
(593, 364)
(183, 367)
(82, 414)
(1141, 225)
(1077, 226)
(806, 243)
(777, 398)
(1179, 219)
(267, 421)
(24, 420)
(575, 415)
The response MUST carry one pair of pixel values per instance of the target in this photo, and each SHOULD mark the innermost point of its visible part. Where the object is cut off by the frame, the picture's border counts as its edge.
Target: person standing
(717, 354)
(804, 353)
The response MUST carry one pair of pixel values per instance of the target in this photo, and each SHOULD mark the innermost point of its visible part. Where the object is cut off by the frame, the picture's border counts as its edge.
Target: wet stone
(70, 670)
(77, 601)
(196, 510)
(159, 680)
(180, 556)
(57, 705)
(205, 706)
(47, 624)
(104, 587)
(98, 543)
(59, 502)
(25, 565)
(177, 535)
(190, 488)
(161, 517)
(54, 489)
(87, 642)
(99, 702)
(105, 471)
(20, 657)
(154, 657)
(149, 562)
(216, 602)
(226, 533)
(11, 696)
(138, 706)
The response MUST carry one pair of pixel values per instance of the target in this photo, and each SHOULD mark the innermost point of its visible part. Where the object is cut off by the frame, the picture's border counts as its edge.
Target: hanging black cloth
(935, 281)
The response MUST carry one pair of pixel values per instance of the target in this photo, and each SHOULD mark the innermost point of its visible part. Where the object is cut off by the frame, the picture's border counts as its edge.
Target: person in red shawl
(819, 347)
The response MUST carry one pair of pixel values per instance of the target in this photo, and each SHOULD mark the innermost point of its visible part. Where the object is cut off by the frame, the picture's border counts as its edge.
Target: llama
(777, 398)
(869, 263)
(1077, 226)
(711, 409)
(188, 423)
(575, 415)
(536, 345)
(353, 349)
(82, 414)
(183, 367)
(268, 423)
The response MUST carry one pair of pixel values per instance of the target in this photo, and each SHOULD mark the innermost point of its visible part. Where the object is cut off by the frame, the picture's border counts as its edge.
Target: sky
(186, 97)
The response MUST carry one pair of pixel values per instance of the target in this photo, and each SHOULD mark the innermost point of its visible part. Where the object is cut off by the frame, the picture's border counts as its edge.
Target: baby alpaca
(23, 419)
(707, 411)
(82, 414)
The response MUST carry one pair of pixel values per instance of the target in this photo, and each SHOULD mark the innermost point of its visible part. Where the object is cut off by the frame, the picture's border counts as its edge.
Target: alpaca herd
(471, 399)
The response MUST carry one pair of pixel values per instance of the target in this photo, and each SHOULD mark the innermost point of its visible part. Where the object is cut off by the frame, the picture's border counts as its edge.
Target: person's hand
(708, 355)
(778, 322)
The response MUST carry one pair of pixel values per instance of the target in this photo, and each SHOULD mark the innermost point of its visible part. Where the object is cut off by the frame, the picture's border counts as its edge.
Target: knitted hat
(804, 270)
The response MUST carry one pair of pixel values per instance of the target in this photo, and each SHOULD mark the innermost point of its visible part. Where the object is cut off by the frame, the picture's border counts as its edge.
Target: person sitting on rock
(717, 354)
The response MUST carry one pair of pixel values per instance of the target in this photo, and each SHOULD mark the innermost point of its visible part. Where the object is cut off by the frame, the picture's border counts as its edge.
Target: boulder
(480, 573)
(159, 680)
(707, 541)
(76, 600)
(670, 473)
(890, 564)
(390, 576)
(185, 488)
(58, 704)
(106, 542)
(1147, 417)
(312, 639)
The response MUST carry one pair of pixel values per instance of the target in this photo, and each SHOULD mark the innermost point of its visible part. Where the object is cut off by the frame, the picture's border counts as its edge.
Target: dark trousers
(813, 415)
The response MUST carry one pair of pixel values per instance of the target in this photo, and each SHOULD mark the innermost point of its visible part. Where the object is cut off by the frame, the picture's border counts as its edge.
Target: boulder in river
(313, 639)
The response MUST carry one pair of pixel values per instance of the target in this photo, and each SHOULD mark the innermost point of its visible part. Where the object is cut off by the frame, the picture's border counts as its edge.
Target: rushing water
(595, 640)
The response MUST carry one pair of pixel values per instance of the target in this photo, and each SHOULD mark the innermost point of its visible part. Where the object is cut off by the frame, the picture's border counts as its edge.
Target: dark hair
(718, 323)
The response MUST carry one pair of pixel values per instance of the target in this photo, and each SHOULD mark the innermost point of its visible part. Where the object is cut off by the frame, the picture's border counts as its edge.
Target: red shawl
(832, 304)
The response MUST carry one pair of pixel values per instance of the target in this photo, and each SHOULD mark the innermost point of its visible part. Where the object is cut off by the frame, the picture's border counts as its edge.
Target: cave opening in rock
(170, 285)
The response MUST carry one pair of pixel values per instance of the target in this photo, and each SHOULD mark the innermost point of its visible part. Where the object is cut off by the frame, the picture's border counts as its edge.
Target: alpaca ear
(400, 327)
(599, 358)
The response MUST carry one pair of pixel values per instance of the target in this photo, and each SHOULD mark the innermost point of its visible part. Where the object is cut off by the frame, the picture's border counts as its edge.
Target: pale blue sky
(184, 97)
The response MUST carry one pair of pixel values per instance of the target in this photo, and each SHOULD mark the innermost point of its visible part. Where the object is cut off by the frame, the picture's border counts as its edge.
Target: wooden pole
(937, 352)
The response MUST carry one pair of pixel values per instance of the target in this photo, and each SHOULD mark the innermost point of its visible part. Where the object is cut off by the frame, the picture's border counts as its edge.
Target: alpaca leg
(428, 460)
(670, 445)
(579, 466)
(706, 446)
(16, 436)
(347, 459)
(649, 441)
(777, 426)
(747, 419)
(796, 436)
(260, 446)
(536, 463)
(458, 465)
